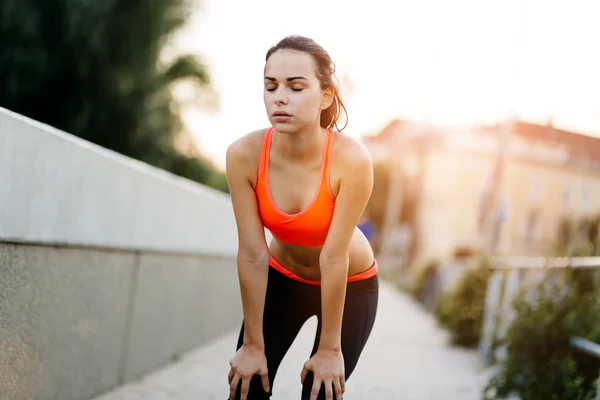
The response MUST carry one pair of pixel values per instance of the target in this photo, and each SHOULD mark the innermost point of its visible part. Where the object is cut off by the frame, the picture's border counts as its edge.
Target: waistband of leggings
(369, 273)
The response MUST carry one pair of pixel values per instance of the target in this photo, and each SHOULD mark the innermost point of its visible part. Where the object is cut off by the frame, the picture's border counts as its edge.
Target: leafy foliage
(461, 309)
(424, 276)
(540, 362)
(93, 68)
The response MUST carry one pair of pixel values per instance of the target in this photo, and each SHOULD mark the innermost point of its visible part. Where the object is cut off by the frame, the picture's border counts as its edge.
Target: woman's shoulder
(245, 150)
(349, 151)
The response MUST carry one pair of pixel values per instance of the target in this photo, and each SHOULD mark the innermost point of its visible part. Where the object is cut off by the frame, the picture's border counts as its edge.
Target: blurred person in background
(366, 226)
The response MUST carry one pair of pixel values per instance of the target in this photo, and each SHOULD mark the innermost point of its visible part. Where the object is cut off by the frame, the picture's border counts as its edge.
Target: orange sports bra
(308, 227)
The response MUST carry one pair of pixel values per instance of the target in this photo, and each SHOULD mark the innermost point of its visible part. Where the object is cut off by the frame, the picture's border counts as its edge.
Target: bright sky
(449, 62)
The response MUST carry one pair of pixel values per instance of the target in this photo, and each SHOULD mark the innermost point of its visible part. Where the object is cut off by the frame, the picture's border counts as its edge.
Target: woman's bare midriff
(304, 261)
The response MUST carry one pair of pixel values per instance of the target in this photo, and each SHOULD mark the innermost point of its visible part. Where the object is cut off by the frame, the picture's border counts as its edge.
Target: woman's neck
(300, 146)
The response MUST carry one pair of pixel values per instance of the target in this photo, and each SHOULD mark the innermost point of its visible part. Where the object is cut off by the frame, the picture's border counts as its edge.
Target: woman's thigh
(286, 310)
(360, 311)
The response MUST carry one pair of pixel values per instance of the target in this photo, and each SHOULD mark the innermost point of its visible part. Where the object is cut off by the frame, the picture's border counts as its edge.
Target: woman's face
(293, 96)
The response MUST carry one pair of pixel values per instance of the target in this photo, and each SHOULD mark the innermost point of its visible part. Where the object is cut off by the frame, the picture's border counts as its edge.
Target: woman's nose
(280, 97)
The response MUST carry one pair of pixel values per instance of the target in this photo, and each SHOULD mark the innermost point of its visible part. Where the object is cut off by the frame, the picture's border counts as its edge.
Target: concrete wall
(109, 268)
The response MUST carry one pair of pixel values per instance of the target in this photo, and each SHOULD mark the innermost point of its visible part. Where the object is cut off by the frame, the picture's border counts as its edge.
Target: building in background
(551, 176)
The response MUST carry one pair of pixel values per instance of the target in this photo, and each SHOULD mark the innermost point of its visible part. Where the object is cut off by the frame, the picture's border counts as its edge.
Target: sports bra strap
(264, 156)
(327, 157)
(266, 146)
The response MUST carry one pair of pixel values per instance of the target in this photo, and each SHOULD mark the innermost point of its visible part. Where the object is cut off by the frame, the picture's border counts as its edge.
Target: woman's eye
(295, 89)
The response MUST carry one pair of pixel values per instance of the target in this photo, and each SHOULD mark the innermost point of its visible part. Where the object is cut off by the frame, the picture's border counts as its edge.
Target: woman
(308, 185)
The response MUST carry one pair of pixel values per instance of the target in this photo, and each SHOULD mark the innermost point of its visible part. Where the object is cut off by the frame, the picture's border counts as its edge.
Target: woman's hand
(328, 369)
(247, 362)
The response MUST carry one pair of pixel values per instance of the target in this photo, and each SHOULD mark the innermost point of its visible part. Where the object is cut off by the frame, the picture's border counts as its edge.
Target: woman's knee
(255, 391)
(307, 388)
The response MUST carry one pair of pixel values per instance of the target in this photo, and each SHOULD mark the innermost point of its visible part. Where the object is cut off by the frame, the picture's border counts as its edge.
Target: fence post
(492, 300)
(510, 289)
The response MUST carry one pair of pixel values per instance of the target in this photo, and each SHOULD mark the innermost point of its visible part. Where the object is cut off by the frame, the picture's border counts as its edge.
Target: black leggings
(289, 304)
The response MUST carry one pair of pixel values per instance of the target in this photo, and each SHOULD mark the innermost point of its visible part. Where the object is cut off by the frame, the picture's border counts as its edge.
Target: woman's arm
(356, 185)
(253, 252)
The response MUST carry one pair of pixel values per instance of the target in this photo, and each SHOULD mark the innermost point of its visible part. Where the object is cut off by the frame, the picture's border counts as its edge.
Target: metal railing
(590, 348)
(505, 282)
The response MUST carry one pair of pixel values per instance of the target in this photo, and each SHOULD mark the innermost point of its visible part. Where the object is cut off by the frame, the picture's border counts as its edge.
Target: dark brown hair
(325, 74)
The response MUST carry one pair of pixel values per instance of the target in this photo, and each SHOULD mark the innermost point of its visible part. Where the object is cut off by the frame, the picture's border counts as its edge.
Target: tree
(93, 68)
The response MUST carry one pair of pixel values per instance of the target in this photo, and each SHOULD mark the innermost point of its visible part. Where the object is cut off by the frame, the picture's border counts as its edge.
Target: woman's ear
(328, 97)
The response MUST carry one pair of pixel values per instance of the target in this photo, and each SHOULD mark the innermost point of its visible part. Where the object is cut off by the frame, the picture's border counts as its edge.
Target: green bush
(460, 310)
(423, 276)
(444, 309)
(540, 361)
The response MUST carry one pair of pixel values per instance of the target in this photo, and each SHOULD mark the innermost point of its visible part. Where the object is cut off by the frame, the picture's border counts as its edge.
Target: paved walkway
(406, 358)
